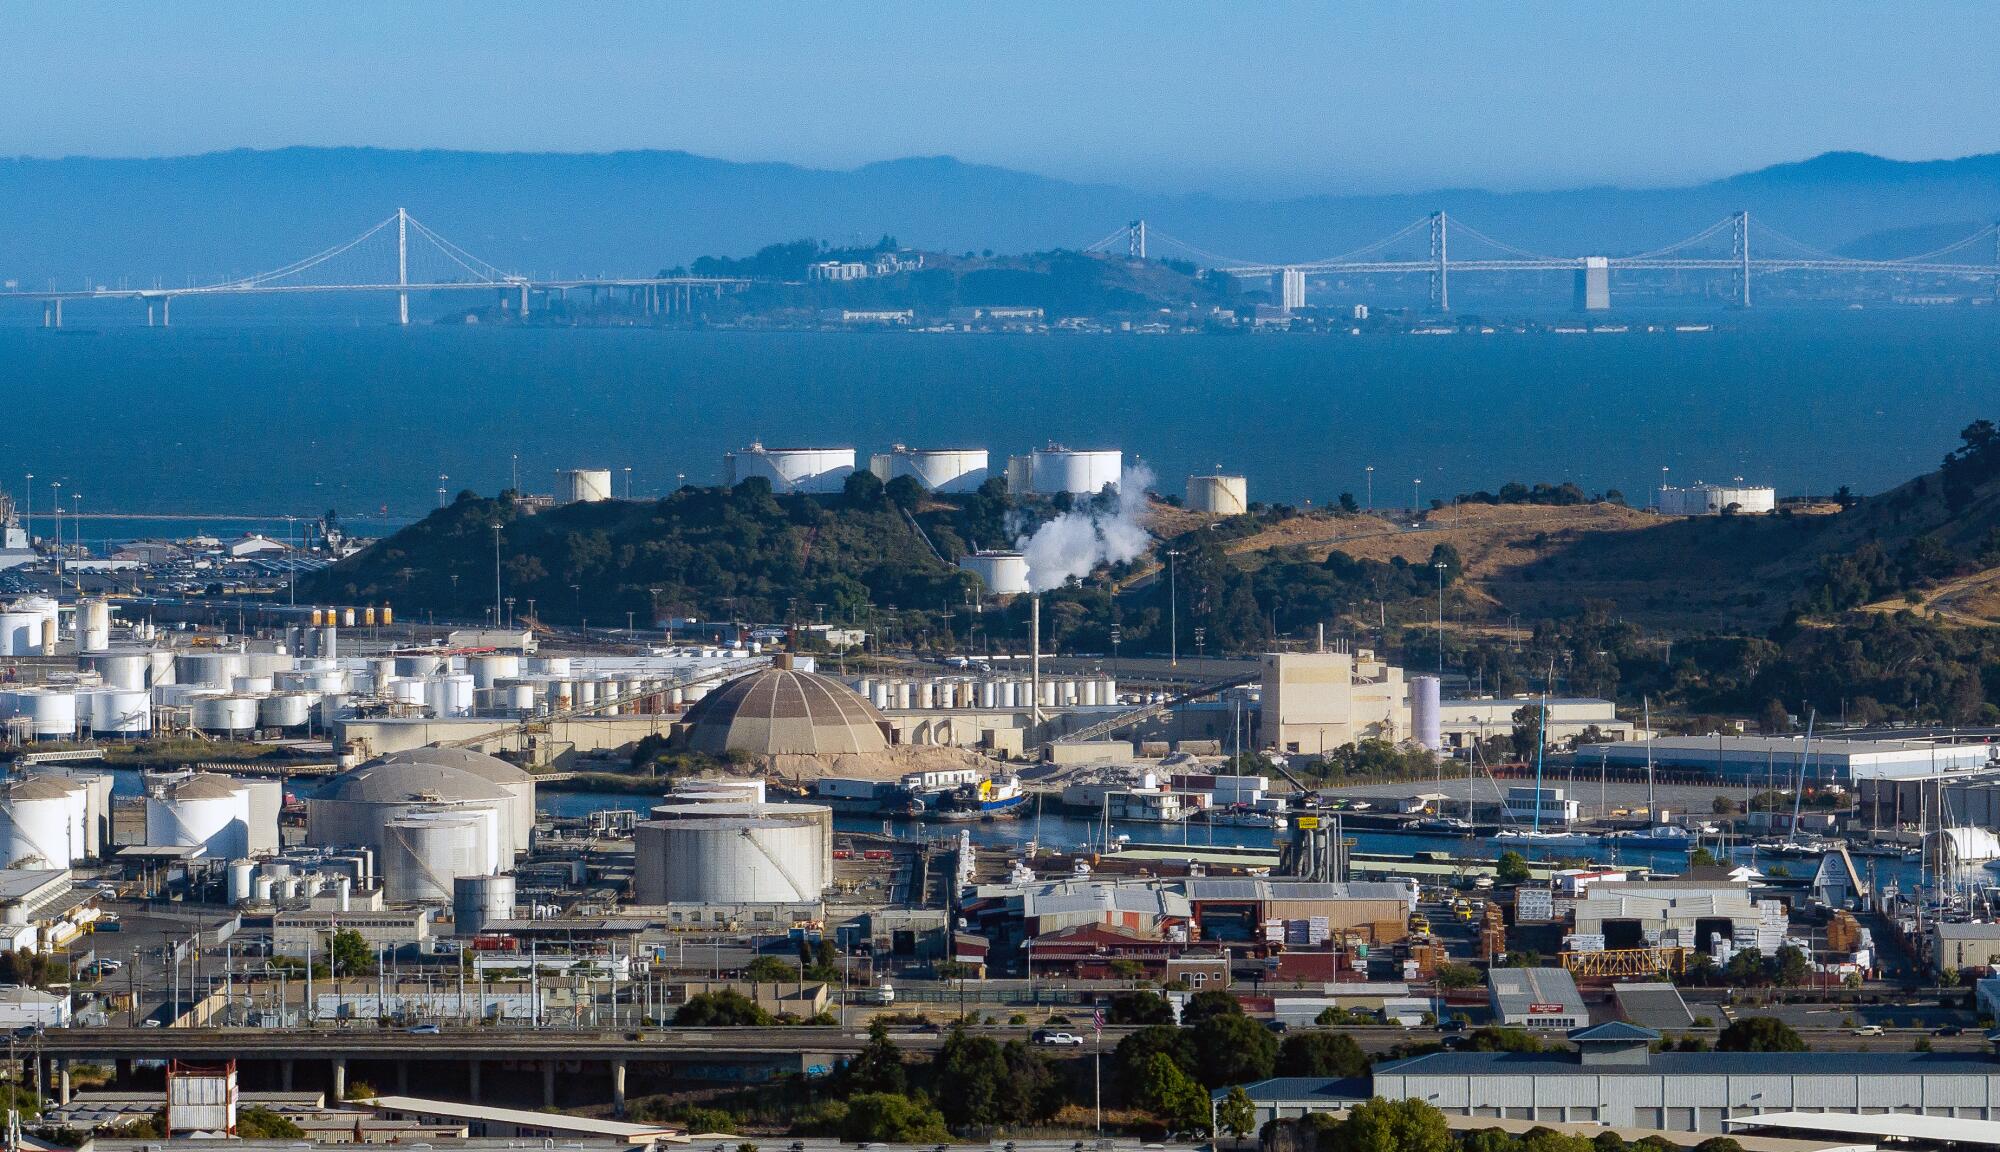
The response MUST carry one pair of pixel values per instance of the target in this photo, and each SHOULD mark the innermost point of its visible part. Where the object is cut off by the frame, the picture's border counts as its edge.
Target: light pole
(628, 482)
(1371, 487)
(1440, 571)
(28, 509)
(1660, 500)
(1173, 610)
(56, 506)
(496, 575)
(1416, 497)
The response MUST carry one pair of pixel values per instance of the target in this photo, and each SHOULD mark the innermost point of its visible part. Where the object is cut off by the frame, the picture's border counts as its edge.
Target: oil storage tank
(791, 469)
(425, 851)
(1080, 472)
(937, 469)
(583, 485)
(36, 830)
(207, 811)
(353, 808)
(1426, 715)
(1003, 573)
(477, 901)
(520, 823)
(733, 853)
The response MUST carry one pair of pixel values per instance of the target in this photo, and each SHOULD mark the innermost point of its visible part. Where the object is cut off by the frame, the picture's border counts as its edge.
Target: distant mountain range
(634, 212)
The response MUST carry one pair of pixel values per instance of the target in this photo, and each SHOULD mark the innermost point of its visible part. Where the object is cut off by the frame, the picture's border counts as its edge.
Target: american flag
(1097, 1020)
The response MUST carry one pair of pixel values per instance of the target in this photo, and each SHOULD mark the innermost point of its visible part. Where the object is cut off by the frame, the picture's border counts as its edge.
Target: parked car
(1868, 1030)
(1058, 1039)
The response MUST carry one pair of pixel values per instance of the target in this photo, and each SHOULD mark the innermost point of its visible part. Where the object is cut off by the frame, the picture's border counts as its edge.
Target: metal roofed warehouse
(1752, 757)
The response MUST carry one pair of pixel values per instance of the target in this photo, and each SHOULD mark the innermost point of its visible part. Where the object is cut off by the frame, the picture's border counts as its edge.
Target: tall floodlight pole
(1173, 610)
(403, 266)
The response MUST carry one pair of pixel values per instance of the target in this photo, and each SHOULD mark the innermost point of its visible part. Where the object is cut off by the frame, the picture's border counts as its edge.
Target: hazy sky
(1235, 96)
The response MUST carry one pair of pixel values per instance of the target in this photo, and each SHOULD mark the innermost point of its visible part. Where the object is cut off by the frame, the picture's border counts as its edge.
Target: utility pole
(1174, 611)
(496, 576)
(1440, 572)
(403, 267)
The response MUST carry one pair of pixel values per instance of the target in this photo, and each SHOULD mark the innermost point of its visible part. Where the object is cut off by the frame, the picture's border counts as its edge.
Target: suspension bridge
(399, 255)
(1774, 253)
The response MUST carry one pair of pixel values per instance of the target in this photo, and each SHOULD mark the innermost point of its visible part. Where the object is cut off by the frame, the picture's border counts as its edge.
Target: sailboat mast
(1652, 804)
(1799, 791)
(1541, 743)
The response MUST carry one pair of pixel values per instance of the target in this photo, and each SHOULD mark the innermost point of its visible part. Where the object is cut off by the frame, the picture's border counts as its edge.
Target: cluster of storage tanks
(227, 817)
(959, 693)
(32, 626)
(239, 692)
(721, 842)
(334, 877)
(1046, 471)
(429, 816)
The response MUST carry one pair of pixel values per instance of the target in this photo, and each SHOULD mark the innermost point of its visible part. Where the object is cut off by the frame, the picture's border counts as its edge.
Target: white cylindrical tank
(252, 685)
(581, 485)
(1426, 716)
(1003, 573)
(792, 469)
(555, 666)
(225, 713)
(988, 697)
(1222, 495)
(242, 881)
(208, 669)
(93, 625)
(938, 469)
(51, 712)
(35, 825)
(284, 710)
(121, 669)
(489, 668)
(722, 853)
(424, 853)
(419, 664)
(208, 811)
(20, 632)
(477, 901)
(1083, 473)
(121, 712)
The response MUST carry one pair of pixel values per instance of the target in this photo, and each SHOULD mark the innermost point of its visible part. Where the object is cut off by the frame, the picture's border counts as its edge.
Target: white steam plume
(1073, 544)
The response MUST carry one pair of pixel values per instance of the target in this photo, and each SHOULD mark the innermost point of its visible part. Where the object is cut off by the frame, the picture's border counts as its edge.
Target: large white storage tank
(93, 625)
(733, 854)
(1003, 573)
(477, 901)
(208, 811)
(20, 631)
(36, 828)
(425, 852)
(791, 469)
(353, 807)
(51, 713)
(519, 810)
(223, 713)
(1426, 715)
(1054, 469)
(125, 668)
(1222, 495)
(583, 485)
(209, 669)
(937, 469)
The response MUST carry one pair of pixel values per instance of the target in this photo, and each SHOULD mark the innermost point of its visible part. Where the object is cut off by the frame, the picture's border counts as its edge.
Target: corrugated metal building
(1614, 1080)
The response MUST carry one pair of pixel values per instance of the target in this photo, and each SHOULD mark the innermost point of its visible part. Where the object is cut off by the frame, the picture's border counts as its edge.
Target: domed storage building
(521, 829)
(782, 711)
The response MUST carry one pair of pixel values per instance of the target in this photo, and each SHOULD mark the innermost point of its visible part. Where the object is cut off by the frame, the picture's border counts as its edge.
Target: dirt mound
(890, 765)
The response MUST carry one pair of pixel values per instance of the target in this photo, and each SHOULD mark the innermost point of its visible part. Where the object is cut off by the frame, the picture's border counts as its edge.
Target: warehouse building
(1468, 720)
(1676, 914)
(1615, 1080)
(1535, 998)
(1756, 758)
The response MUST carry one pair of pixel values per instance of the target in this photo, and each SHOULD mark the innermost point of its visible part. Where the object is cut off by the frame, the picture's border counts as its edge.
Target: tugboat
(993, 798)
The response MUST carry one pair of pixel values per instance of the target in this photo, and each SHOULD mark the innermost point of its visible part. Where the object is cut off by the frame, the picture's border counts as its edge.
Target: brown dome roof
(782, 711)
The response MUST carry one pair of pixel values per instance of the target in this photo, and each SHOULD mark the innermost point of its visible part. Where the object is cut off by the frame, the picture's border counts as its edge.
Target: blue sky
(1240, 97)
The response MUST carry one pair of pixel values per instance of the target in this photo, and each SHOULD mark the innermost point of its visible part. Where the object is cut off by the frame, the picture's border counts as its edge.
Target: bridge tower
(403, 267)
(1739, 251)
(1440, 264)
(1135, 240)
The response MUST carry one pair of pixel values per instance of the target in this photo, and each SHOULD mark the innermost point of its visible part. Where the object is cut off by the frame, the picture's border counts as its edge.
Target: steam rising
(1078, 541)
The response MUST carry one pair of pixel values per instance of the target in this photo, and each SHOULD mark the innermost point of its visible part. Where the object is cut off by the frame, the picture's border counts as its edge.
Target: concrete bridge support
(617, 1087)
(339, 1078)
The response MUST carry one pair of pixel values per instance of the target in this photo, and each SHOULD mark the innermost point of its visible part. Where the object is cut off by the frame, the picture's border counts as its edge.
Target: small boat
(1795, 849)
(1531, 837)
(1248, 818)
(1443, 824)
(988, 799)
(1658, 836)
